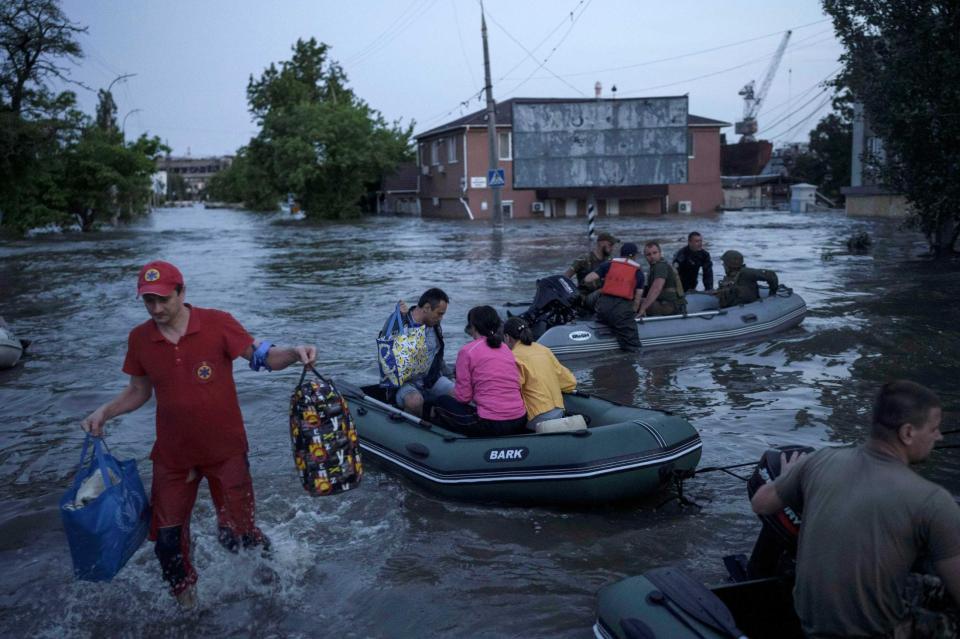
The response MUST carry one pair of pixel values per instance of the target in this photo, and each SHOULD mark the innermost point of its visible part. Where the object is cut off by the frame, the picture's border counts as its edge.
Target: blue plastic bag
(106, 531)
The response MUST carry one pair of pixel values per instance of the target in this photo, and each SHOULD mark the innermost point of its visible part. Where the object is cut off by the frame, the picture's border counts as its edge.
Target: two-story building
(453, 160)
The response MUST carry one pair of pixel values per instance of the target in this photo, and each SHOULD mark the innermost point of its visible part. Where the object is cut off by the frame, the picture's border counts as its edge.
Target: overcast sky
(421, 59)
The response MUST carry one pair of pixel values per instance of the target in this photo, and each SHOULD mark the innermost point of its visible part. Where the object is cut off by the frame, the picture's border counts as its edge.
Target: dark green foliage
(902, 61)
(177, 189)
(318, 140)
(56, 164)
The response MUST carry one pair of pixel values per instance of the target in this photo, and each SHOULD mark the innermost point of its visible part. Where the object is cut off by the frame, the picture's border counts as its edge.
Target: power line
(696, 53)
(530, 54)
(804, 121)
(394, 30)
(540, 44)
(573, 23)
(463, 104)
(463, 48)
(713, 73)
(773, 126)
(793, 99)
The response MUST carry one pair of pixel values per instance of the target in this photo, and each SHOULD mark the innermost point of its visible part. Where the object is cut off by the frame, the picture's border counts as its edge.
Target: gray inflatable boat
(704, 323)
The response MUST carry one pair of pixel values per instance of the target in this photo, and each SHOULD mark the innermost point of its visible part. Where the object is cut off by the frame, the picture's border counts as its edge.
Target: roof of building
(505, 116)
(403, 179)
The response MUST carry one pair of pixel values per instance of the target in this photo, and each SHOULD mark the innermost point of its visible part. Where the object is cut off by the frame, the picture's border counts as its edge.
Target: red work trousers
(173, 494)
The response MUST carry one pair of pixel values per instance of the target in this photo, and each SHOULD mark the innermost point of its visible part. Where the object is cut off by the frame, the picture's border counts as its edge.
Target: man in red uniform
(620, 295)
(185, 354)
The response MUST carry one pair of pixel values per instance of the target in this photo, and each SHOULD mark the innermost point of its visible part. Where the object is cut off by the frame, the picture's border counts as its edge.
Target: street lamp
(123, 125)
(118, 78)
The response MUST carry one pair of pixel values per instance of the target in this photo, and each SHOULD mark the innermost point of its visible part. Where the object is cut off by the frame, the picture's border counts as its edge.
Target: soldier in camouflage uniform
(664, 292)
(739, 284)
(588, 263)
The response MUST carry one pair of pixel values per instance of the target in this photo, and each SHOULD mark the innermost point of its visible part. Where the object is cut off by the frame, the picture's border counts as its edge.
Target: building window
(451, 150)
(691, 150)
(503, 145)
(435, 152)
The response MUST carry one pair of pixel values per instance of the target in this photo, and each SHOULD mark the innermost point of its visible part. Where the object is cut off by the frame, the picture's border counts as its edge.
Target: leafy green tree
(318, 140)
(246, 182)
(902, 61)
(177, 187)
(36, 39)
(57, 164)
(35, 36)
(106, 117)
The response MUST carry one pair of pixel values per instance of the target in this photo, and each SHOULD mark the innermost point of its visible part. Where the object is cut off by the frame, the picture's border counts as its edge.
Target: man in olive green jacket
(739, 285)
(664, 293)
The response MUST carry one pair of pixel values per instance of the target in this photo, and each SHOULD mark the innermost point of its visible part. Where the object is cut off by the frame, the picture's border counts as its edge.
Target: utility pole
(496, 216)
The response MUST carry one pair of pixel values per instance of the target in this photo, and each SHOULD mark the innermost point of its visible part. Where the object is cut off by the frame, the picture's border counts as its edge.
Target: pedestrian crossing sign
(495, 178)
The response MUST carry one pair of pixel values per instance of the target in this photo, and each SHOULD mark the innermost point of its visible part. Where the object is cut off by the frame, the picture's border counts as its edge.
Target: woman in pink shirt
(488, 378)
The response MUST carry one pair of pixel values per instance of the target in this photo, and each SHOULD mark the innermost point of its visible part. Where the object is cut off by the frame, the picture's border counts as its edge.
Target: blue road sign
(496, 179)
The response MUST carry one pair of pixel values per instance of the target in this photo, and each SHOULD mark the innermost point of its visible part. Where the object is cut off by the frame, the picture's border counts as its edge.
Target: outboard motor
(775, 551)
(554, 304)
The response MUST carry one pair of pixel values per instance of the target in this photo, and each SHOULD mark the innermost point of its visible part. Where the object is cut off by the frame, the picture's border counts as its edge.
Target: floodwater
(389, 560)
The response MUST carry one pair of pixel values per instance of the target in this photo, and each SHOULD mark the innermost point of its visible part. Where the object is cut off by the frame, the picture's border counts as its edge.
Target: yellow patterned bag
(401, 351)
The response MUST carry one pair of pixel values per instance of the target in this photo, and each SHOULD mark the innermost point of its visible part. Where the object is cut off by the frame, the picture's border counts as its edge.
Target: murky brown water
(389, 560)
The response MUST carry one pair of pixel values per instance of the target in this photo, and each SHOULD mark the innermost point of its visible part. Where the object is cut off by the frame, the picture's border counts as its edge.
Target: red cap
(158, 278)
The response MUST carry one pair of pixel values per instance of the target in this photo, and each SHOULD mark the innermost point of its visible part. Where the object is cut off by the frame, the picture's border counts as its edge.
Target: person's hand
(786, 463)
(642, 313)
(403, 307)
(93, 423)
(306, 354)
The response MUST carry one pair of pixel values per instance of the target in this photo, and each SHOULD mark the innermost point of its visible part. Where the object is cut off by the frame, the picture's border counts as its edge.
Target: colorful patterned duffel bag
(326, 449)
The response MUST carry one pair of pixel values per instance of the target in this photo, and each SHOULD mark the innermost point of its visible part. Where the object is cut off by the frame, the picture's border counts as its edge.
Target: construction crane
(752, 98)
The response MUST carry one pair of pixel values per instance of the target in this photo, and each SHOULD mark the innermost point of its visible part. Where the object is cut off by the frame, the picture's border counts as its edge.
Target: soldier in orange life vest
(620, 295)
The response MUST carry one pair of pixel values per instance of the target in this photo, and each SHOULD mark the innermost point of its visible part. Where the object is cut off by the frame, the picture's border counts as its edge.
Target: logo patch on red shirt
(204, 372)
(152, 275)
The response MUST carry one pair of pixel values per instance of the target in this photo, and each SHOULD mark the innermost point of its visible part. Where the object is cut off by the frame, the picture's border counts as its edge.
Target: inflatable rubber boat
(11, 348)
(624, 452)
(669, 603)
(703, 323)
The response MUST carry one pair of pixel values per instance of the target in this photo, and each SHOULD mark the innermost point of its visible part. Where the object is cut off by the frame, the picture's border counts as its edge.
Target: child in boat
(543, 379)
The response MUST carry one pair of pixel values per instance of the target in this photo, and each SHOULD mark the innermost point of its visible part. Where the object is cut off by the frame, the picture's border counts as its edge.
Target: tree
(177, 187)
(827, 160)
(106, 117)
(902, 62)
(318, 140)
(35, 38)
(56, 163)
(34, 35)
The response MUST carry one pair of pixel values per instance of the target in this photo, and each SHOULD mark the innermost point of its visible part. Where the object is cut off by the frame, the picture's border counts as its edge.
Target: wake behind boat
(624, 453)
(703, 323)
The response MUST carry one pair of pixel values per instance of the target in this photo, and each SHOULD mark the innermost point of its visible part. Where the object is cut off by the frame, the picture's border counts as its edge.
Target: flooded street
(390, 560)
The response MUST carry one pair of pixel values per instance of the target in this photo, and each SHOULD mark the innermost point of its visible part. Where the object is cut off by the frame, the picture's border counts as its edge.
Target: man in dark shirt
(690, 259)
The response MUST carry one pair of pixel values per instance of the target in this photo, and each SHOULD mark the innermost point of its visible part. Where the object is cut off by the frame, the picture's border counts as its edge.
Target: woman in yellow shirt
(543, 379)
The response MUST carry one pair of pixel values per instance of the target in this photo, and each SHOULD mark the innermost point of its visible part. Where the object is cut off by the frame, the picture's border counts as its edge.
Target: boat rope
(680, 476)
(726, 469)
